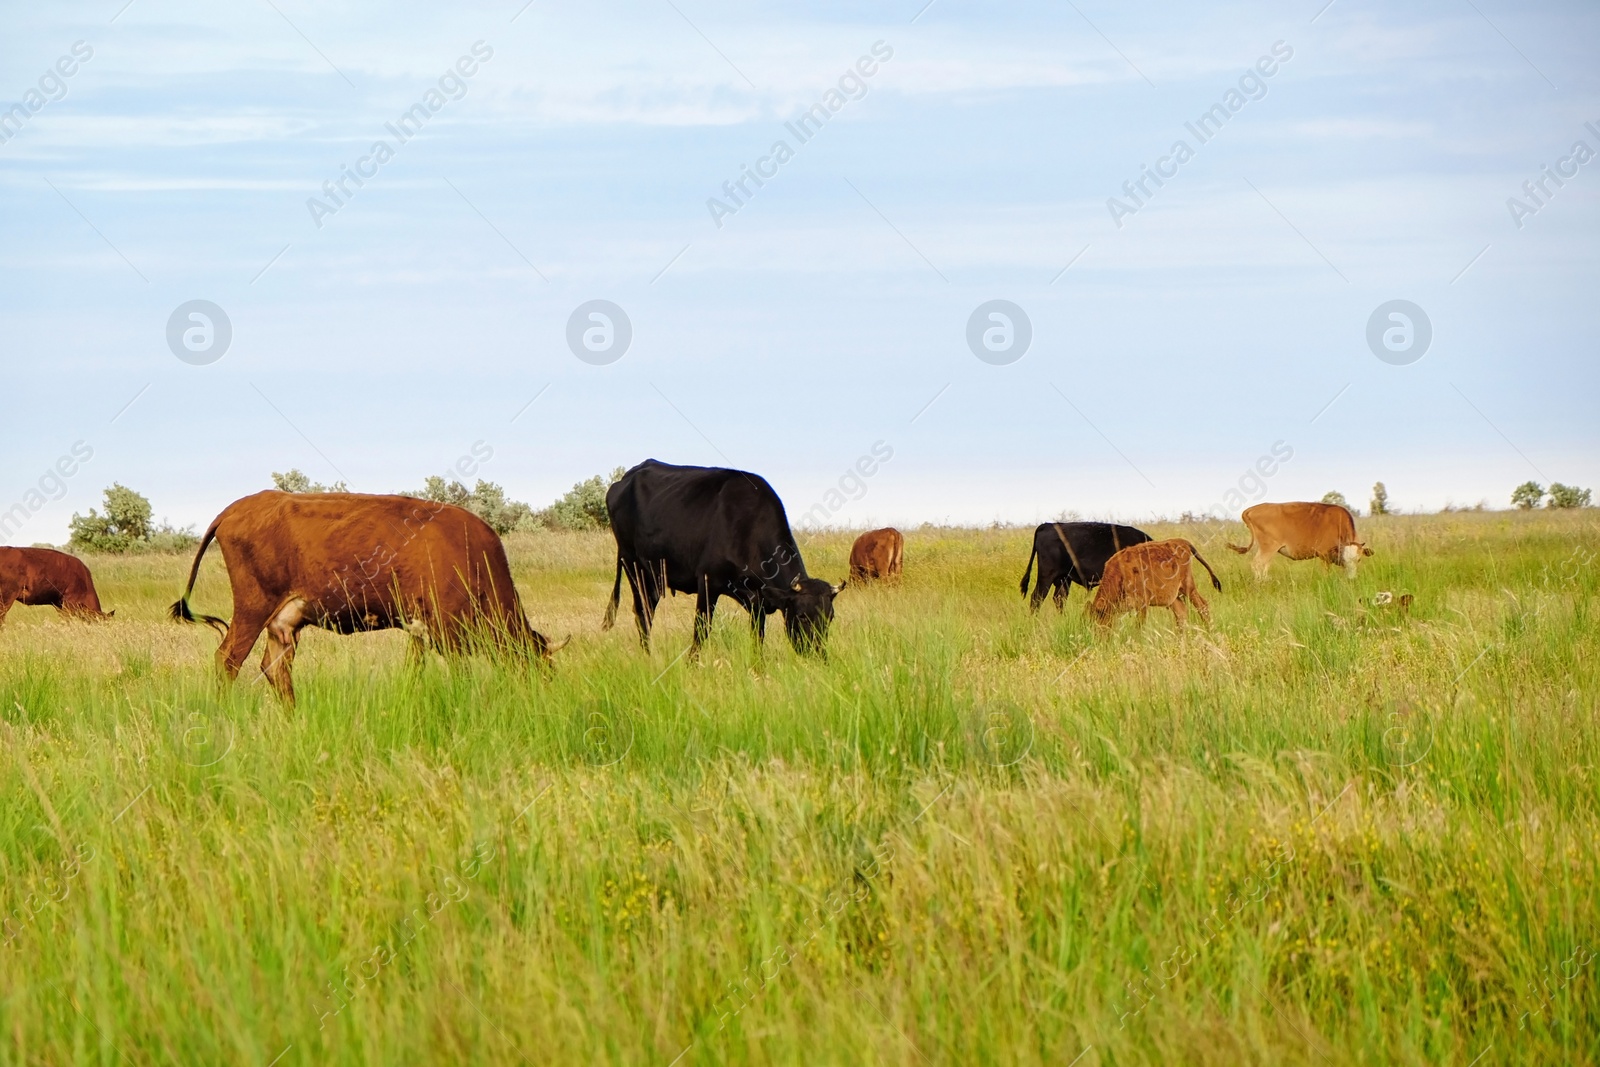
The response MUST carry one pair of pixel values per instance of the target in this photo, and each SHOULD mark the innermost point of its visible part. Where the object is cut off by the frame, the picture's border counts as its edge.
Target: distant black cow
(1074, 552)
(714, 533)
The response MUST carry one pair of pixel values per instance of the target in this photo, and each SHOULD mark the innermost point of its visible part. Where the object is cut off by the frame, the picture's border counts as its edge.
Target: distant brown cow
(877, 554)
(350, 562)
(1155, 574)
(43, 576)
(1302, 531)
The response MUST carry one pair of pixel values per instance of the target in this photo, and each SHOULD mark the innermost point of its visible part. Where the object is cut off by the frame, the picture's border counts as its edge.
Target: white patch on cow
(1350, 553)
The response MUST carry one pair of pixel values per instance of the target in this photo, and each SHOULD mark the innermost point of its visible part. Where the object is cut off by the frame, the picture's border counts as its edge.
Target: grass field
(1314, 832)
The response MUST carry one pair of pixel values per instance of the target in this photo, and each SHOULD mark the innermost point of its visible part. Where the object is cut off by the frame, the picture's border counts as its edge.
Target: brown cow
(1155, 574)
(1302, 531)
(350, 562)
(877, 554)
(43, 576)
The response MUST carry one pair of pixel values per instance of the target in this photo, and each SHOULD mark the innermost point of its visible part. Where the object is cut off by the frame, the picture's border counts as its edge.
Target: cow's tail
(1244, 549)
(616, 598)
(1028, 574)
(180, 611)
(1216, 583)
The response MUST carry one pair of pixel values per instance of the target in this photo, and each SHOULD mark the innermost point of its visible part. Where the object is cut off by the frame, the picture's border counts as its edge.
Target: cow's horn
(553, 649)
(796, 585)
(840, 587)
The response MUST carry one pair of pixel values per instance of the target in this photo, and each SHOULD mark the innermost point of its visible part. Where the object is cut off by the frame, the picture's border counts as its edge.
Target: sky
(1196, 343)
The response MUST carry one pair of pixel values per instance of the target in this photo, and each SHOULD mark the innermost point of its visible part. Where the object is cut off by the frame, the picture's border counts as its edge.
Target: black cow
(714, 533)
(1074, 552)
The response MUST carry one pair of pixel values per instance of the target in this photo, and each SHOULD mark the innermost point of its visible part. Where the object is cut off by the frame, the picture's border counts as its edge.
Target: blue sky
(1227, 314)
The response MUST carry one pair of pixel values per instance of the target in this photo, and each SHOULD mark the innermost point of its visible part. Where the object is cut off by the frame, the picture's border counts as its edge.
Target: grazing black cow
(712, 532)
(1074, 552)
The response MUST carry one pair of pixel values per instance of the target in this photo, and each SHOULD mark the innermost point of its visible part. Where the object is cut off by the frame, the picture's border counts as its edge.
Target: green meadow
(1319, 831)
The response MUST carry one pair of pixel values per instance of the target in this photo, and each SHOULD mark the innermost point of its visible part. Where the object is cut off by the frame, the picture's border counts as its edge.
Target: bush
(169, 538)
(1527, 495)
(1567, 496)
(1336, 497)
(486, 500)
(125, 524)
(584, 505)
(297, 481)
(126, 527)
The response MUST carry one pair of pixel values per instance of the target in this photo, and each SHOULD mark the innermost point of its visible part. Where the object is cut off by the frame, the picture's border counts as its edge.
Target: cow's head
(1349, 554)
(1109, 593)
(807, 608)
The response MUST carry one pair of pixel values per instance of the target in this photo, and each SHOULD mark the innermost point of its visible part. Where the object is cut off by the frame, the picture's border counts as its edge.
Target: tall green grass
(1315, 832)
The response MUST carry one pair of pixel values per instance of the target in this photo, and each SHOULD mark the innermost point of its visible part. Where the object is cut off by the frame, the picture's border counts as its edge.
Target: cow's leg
(5, 607)
(705, 606)
(645, 599)
(1144, 612)
(283, 634)
(1180, 611)
(758, 620)
(1064, 592)
(1040, 591)
(243, 629)
(1265, 550)
(1200, 606)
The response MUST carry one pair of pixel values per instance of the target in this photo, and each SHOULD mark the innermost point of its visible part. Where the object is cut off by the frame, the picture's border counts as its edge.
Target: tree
(1380, 499)
(490, 503)
(486, 500)
(1567, 496)
(297, 481)
(126, 527)
(584, 505)
(440, 491)
(125, 524)
(1527, 495)
(1335, 497)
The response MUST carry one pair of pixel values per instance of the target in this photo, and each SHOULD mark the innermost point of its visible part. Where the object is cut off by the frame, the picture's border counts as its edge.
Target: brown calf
(877, 554)
(1155, 574)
